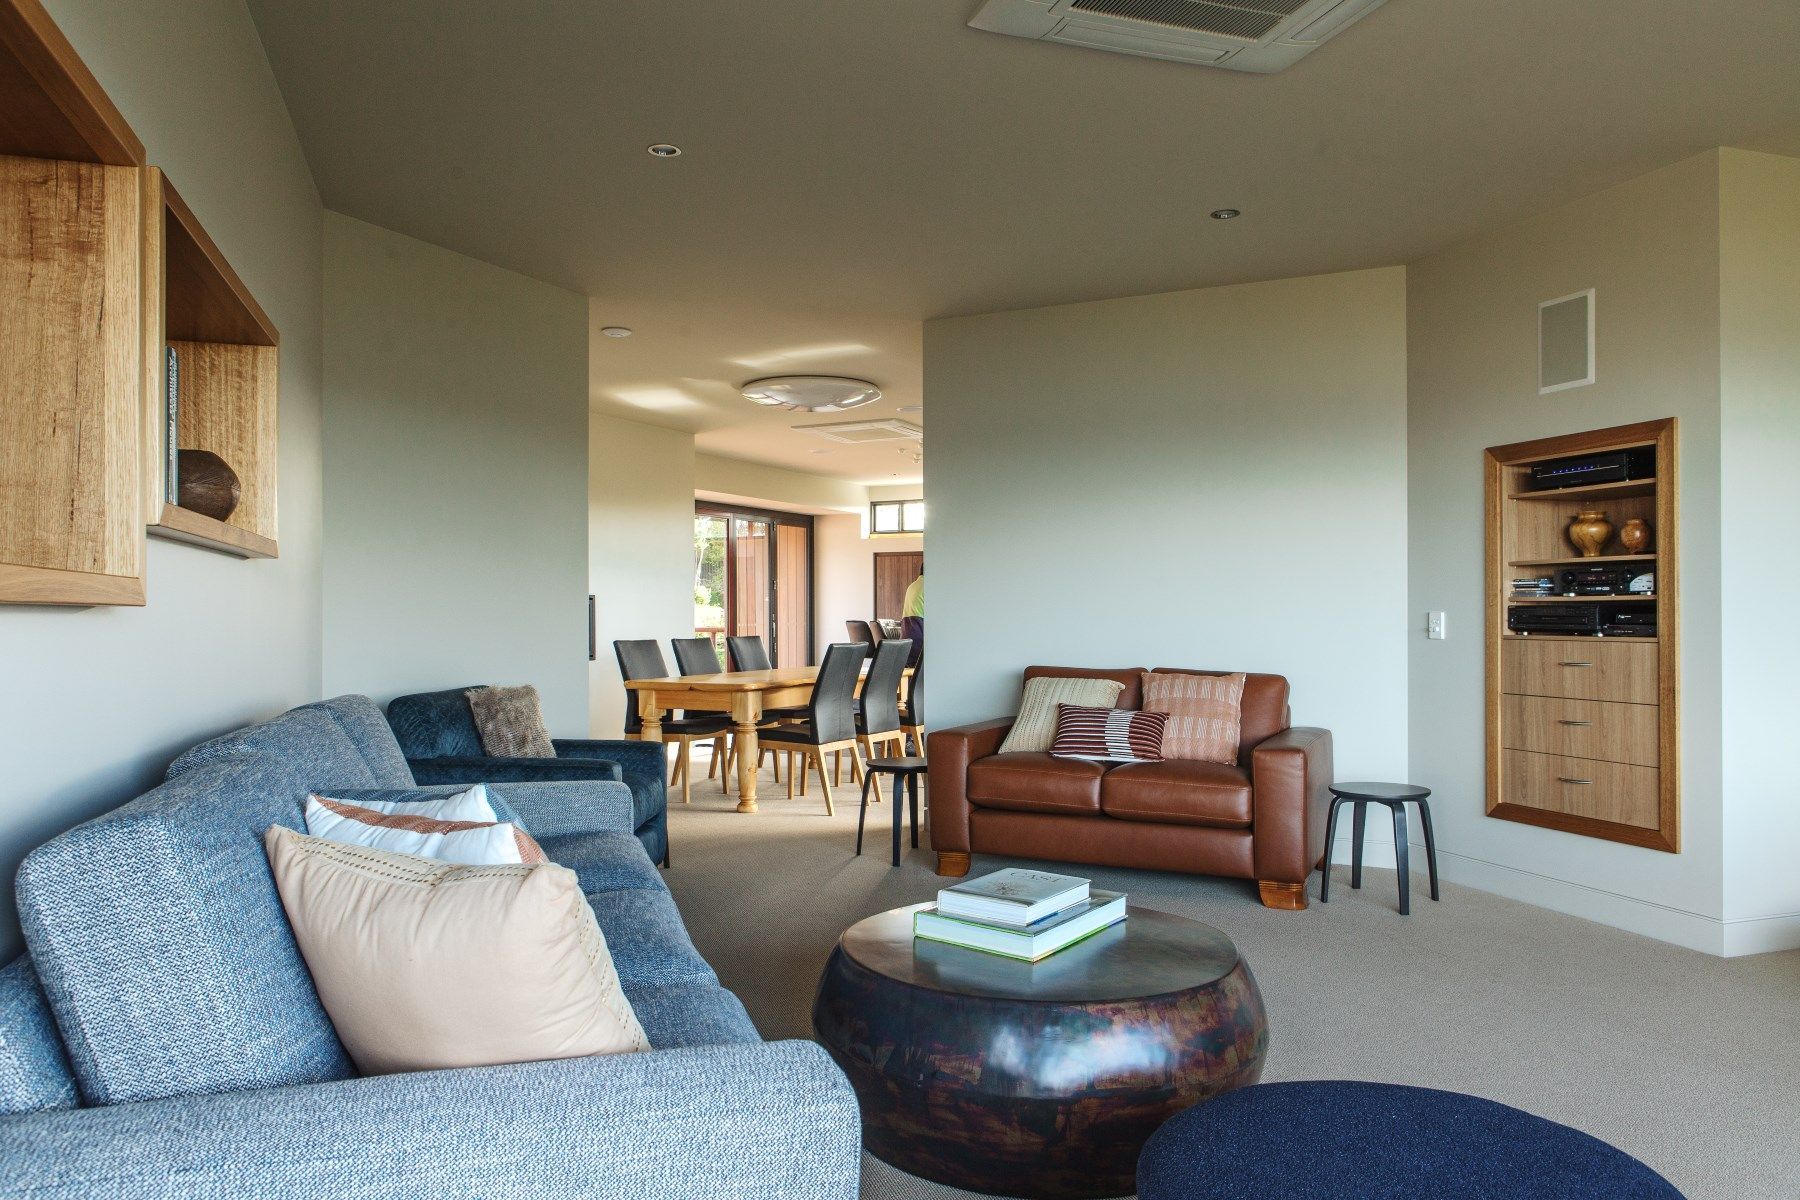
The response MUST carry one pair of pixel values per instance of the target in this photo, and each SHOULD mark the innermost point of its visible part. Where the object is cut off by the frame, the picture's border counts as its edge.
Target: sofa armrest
(949, 753)
(1290, 781)
(645, 766)
(763, 1119)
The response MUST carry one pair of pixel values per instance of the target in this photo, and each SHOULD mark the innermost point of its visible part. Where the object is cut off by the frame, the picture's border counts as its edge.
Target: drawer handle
(1575, 664)
(1577, 782)
(1574, 722)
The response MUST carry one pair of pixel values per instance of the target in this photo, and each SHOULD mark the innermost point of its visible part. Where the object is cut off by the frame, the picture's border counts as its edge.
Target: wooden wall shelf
(1584, 732)
(72, 282)
(227, 352)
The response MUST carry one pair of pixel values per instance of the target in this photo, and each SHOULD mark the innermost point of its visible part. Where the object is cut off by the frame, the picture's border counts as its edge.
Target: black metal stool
(1396, 796)
(904, 770)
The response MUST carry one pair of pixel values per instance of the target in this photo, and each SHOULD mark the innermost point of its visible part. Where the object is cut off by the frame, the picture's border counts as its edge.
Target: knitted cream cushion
(1035, 728)
(423, 965)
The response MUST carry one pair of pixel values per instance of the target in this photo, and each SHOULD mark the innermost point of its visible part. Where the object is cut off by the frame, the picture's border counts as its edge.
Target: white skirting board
(1696, 931)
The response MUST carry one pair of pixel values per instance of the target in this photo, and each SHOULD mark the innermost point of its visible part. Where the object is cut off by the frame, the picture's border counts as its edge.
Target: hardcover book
(1016, 896)
(1056, 932)
(171, 451)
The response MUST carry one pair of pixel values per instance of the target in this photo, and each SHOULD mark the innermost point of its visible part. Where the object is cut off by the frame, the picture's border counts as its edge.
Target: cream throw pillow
(423, 965)
(1035, 729)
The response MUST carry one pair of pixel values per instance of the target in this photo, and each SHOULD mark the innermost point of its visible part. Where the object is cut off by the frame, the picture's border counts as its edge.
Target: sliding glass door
(753, 576)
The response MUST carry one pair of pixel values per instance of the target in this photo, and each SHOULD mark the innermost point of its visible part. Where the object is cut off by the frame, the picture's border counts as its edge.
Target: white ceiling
(853, 168)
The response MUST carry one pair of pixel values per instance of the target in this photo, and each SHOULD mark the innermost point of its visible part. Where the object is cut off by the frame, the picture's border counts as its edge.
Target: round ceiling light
(664, 150)
(1224, 214)
(811, 393)
(616, 331)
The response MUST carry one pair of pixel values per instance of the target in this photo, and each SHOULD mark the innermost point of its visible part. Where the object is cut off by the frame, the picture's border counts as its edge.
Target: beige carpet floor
(1689, 1062)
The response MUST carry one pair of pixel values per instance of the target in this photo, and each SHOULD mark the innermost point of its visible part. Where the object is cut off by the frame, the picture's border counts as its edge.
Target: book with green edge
(1033, 944)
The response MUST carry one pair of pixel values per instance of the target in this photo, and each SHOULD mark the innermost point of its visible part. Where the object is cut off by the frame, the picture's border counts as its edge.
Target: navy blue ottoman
(1339, 1140)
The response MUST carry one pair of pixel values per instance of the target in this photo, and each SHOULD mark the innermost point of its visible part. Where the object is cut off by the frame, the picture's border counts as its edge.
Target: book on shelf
(1016, 897)
(172, 414)
(1058, 931)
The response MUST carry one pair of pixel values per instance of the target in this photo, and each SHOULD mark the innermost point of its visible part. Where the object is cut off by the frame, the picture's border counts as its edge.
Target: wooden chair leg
(837, 767)
(712, 763)
(805, 770)
(687, 771)
(790, 769)
(856, 767)
(818, 757)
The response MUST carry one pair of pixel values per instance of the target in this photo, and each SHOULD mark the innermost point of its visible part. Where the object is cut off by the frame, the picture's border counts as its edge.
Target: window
(897, 516)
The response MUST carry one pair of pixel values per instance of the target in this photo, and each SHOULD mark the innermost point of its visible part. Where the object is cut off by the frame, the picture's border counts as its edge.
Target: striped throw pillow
(1108, 734)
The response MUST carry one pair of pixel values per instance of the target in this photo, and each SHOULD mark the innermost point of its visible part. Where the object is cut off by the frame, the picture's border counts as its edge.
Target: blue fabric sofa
(163, 1039)
(437, 735)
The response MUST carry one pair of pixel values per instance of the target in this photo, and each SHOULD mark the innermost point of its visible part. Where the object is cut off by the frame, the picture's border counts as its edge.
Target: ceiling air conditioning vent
(858, 432)
(1244, 35)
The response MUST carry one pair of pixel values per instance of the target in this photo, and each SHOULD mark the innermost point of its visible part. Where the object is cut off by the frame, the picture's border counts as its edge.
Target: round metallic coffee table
(1036, 1079)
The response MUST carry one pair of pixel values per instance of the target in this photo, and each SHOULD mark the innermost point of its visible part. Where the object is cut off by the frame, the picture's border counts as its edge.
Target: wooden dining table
(744, 695)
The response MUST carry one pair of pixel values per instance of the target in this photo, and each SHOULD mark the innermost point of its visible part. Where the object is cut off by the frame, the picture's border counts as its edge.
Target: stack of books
(1017, 913)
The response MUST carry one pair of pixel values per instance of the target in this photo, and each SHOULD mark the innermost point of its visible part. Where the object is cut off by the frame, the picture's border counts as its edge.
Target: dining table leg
(651, 714)
(746, 714)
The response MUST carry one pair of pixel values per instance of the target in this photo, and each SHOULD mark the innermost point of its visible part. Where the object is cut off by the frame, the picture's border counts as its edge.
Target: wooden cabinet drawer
(1585, 669)
(1620, 733)
(1582, 787)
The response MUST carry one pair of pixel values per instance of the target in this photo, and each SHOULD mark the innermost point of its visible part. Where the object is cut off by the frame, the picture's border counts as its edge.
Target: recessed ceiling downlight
(811, 393)
(616, 331)
(1225, 214)
(664, 150)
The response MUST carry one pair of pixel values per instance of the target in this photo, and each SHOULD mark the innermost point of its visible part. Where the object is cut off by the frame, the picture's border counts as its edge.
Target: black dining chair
(698, 656)
(830, 724)
(912, 712)
(878, 717)
(642, 658)
(747, 653)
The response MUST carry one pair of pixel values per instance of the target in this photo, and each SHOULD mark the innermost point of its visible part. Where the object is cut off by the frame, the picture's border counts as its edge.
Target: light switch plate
(1434, 626)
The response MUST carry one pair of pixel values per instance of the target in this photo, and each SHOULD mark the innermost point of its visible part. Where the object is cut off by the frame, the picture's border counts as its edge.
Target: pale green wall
(100, 699)
(456, 427)
(640, 549)
(1210, 479)
(1760, 357)
(1650, 248)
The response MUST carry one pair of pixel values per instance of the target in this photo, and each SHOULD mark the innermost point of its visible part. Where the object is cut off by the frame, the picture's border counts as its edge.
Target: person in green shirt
(912, 614)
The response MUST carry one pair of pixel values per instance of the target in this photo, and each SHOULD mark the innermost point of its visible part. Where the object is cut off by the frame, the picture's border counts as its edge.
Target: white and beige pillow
(1205, 714)
(424, 965)
(472, 843)
(474, 804)
(1035, 728)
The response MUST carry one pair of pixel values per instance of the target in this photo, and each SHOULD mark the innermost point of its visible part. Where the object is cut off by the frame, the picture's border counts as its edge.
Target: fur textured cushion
(510, 721)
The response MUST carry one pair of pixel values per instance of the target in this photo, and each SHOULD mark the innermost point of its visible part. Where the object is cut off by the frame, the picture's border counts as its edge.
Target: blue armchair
(437, 735)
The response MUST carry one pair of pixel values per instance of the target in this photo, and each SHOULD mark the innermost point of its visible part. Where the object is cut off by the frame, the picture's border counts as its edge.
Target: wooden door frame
(875, 575)
(710, 508)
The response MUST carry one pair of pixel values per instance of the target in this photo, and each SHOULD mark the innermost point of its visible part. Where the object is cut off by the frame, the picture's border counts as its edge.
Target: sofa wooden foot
(951, 862)
(1291, 896)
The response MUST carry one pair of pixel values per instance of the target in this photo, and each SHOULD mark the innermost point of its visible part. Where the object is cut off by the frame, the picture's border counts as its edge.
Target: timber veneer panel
(229, 372)
(72, 281)
(1583, 732)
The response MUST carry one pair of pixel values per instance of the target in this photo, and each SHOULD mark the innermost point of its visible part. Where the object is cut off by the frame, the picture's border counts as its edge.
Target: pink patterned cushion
(1205, 714)
(1108, 734)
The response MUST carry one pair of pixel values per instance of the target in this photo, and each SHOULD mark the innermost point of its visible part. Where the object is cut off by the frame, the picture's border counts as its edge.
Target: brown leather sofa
(1263, 819)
